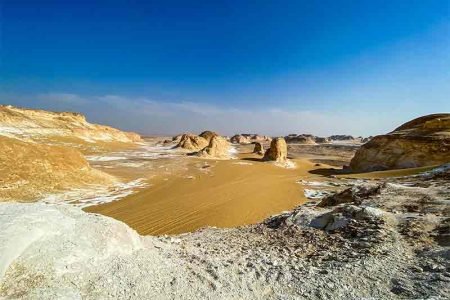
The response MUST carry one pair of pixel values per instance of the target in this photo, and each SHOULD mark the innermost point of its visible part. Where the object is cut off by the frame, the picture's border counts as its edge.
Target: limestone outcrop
(218, 147)
(208, 135)
(277, 151)
(248, 138)
(300, 139)
(306, 139)
(61, 128)
(421, 142)
(192, 142)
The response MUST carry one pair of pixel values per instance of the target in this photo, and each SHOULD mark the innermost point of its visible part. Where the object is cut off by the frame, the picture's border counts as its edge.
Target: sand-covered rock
(30, 170)
(277, 151)
(218, 147)
(421, 142)
(60, 128)
(192, 142)
(259, 148)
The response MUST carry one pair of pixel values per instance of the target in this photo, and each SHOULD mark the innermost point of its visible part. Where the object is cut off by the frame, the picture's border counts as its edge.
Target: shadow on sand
(328, 172)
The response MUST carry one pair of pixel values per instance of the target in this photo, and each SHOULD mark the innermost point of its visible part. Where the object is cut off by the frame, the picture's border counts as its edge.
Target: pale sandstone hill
(65, 128)
(29, 170)
(421, 142)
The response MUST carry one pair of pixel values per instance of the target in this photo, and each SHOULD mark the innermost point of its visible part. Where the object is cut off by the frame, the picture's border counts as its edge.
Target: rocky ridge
(59, 128)
(423, 141)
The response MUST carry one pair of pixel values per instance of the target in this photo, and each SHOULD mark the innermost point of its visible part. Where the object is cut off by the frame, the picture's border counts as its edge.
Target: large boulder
(421, 142)
(218, 147)
(277, 151)
(192, 142)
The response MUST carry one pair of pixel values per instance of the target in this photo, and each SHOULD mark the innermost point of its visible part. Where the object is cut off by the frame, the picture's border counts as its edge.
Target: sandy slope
(31, 170)
(41, 152)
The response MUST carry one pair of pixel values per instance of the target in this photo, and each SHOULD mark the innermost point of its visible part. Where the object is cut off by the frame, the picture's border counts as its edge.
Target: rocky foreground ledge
(381, 239)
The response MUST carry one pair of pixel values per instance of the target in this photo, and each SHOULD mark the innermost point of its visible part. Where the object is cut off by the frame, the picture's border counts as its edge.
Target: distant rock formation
(240, 139)
(300, 139)
(341, 137)
(421, 142)
(208, 135)
(277, 151)
(366, 139)
(218, 147)
(247, 138)
(192, 142)
(322, 140)
(307, 139)
(259, 148)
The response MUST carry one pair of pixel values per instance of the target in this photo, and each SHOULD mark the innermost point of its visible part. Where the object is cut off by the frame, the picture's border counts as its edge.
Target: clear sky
(273, 67)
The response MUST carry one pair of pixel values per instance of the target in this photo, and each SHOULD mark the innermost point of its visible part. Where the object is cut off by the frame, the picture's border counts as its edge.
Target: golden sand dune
(30, 170)
(230, 193)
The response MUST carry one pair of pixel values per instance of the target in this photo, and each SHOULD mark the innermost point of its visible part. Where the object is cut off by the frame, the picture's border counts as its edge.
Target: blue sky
(275, 67)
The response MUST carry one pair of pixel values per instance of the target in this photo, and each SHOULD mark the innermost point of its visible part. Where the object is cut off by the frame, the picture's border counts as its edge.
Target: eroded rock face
(259, 148)
(307, 139)
(218, 147)
(208, 135)
(192, 142)
(40, 125)
(300, 139)
(421, 142)
(277, 151)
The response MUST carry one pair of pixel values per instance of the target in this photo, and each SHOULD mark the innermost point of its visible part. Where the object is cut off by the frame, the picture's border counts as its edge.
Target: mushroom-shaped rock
(277, 151)
(192, 142)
